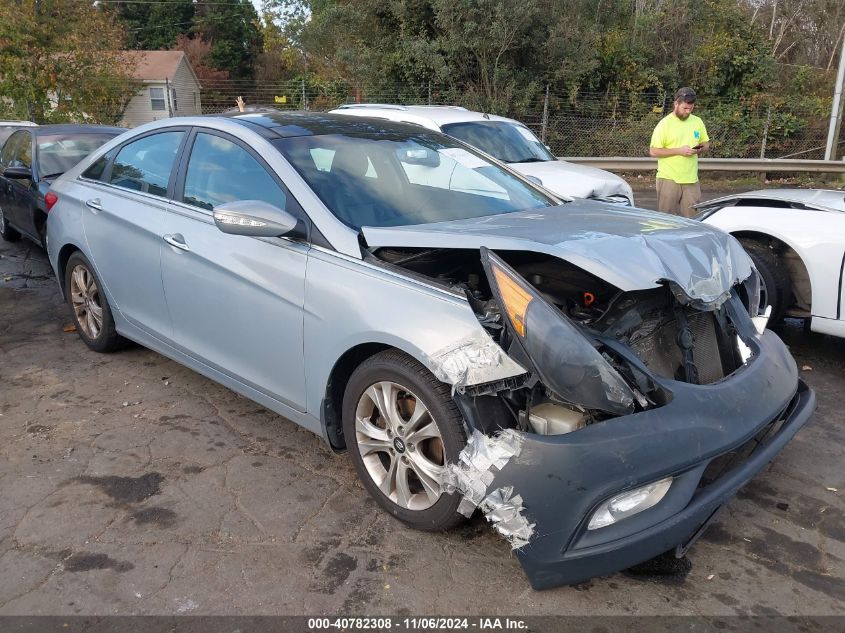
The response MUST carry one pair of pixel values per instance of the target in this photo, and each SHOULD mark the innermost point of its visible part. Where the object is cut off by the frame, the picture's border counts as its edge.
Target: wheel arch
(341, 372)
(798, 273)
(61, 264)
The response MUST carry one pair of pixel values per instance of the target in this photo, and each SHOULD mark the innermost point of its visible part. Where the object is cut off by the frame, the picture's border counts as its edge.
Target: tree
(234, 33)
(279, 58)
(155, 26)
(59, 61)
(198, 52)
(483, 39)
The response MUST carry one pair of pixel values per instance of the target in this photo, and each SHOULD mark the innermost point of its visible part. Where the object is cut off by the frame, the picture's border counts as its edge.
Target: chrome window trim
(123, 192)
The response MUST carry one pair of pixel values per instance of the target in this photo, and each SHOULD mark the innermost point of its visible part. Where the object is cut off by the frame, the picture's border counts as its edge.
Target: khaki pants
(677, 199)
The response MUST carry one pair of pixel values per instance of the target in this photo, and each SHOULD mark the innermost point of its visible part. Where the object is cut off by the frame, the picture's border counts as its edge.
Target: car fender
(811, 234)
(350, 303)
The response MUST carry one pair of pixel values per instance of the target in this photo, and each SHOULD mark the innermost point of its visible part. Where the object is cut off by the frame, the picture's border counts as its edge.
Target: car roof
(73, 128)
(17, 124)
(290, 123)
(439, 115)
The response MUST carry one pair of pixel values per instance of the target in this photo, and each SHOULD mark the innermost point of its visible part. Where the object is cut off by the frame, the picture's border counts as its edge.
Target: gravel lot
(131, 485)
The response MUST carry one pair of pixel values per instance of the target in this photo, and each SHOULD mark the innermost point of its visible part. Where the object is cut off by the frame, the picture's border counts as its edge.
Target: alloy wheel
(85, 298)
(400, 445)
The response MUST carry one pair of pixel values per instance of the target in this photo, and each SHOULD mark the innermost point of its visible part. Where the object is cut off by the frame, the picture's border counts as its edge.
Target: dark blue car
(30, 160)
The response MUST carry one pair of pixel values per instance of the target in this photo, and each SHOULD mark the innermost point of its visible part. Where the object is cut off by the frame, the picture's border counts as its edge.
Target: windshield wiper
(56, 175)
(533, 159)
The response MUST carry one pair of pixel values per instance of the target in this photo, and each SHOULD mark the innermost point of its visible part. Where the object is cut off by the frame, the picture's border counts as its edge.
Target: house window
(194, 94)
(173, 99)
(157, 99)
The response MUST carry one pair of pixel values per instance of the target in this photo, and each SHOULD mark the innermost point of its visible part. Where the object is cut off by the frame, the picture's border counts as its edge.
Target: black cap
(685, 95)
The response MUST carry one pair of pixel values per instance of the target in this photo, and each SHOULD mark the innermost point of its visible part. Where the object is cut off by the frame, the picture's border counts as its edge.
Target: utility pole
(836, 110)
(545, 123)
(167, 98)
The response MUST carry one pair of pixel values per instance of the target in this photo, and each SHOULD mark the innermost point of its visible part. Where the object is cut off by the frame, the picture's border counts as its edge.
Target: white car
(508, 141)
(796, 238)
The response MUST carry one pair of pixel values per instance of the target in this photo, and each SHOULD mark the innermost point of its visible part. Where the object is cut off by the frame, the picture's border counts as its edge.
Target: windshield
(509, 142)
(59, 152)
(389, 179)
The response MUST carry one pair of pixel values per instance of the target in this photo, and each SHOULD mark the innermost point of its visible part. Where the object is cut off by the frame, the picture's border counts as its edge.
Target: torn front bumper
(562, 479)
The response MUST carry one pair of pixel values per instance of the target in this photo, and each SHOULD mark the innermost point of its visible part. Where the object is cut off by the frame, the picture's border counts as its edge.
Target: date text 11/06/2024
(417, 623)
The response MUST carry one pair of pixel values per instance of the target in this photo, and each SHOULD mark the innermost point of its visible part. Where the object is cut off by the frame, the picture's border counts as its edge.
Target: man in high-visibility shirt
(676, 143)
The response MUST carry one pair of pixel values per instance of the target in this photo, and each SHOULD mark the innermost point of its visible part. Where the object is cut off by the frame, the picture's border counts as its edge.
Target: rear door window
(145, 165)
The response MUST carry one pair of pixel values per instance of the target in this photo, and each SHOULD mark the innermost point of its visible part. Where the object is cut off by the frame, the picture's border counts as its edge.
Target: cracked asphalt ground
(131, 485)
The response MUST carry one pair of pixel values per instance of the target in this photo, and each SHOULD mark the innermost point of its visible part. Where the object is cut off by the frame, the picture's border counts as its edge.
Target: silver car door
(236, 302)
(124, 223)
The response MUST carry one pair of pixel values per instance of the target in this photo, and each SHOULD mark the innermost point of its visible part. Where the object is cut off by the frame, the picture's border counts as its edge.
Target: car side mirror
(18, 173)
(254, 218)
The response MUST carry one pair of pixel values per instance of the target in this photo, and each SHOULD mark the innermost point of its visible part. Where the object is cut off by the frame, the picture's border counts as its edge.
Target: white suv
(510, 142)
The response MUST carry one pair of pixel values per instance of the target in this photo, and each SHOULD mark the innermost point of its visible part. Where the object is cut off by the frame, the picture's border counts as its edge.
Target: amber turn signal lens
(515, 298)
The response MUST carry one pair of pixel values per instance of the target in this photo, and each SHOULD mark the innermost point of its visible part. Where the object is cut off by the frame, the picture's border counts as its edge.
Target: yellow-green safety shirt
(672, 133)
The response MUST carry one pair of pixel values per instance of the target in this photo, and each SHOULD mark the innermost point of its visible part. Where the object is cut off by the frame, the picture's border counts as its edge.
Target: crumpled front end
(633, 421)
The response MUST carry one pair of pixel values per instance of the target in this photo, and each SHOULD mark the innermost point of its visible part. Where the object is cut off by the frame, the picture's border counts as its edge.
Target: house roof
(154, 65)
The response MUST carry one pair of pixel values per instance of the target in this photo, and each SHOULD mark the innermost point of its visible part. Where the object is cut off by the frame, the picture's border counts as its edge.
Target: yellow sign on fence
(282, 99)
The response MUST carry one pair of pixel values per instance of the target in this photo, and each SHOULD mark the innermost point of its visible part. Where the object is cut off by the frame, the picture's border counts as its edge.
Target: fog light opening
(629, 503)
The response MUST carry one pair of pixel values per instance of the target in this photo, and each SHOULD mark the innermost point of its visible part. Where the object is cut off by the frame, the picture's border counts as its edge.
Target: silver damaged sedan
(596, 381)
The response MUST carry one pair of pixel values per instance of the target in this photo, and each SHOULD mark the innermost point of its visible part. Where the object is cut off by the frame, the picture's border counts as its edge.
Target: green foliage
(233, 29)
(58, 62)
(155, 26)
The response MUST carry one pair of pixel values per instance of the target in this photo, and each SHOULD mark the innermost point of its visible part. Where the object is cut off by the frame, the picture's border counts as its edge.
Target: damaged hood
(630, 248)
(575, 181)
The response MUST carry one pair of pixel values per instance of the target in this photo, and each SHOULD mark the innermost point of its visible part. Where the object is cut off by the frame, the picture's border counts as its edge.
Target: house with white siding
(170, 87)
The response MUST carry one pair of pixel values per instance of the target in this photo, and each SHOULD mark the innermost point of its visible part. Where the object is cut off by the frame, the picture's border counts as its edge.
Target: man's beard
(683, 116)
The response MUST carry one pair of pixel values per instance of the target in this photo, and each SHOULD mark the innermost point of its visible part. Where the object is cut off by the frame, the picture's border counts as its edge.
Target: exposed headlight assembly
(563, 358)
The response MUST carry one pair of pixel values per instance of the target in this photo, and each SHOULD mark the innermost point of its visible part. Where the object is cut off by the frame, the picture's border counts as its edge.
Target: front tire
(89, 306)
(775, 284)
(6, 231)
(402, 428)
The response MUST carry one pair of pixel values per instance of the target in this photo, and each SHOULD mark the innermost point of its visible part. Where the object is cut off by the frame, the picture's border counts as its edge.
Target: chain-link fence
(767, 126)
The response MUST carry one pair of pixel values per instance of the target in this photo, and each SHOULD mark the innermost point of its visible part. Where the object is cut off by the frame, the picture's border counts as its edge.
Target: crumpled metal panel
(504, 510)
(630, 248)
(473, 361)
(477, 465)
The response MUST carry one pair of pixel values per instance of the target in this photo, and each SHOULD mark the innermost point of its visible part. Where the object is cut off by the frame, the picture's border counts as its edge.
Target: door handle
(94, 203)
(177, 241)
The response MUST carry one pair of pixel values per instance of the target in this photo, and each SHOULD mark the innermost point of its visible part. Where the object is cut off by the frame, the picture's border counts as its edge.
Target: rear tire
(402, 428)
(775, 284)
(89, 306)
(6, 231)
